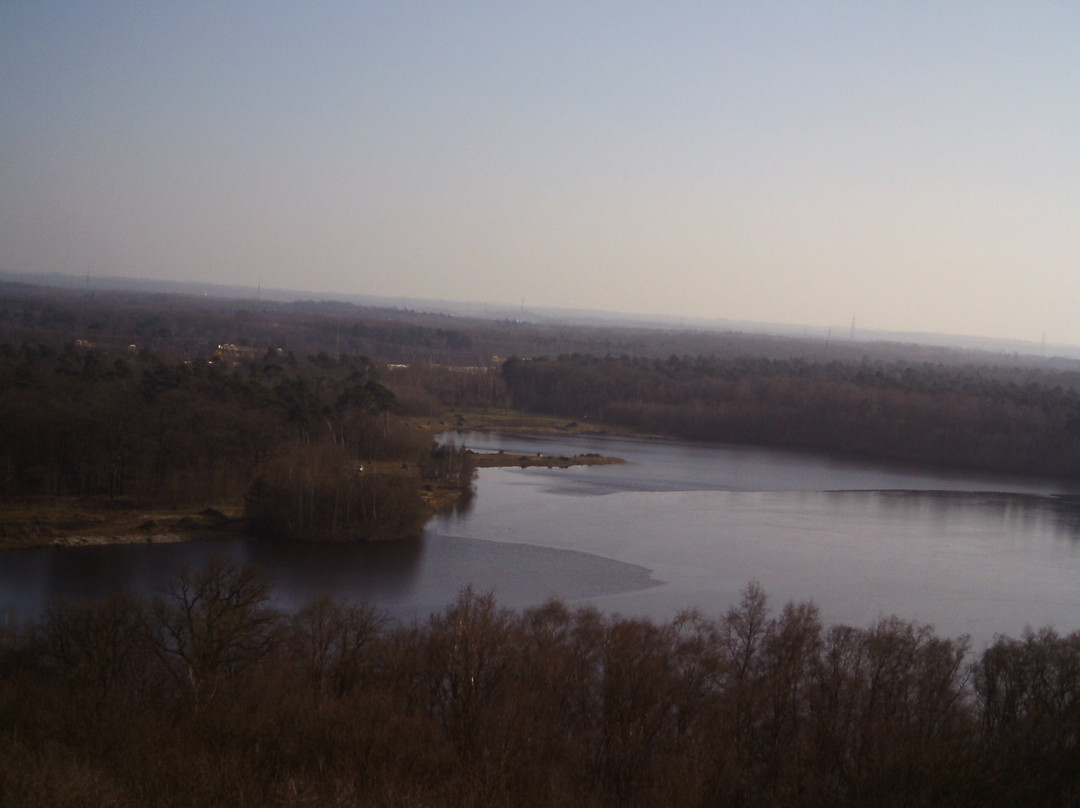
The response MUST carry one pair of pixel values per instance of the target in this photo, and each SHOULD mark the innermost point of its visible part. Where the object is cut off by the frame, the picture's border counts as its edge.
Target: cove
(968, 553)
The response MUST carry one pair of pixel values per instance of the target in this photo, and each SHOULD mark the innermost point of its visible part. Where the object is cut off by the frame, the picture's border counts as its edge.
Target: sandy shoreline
(82, 540)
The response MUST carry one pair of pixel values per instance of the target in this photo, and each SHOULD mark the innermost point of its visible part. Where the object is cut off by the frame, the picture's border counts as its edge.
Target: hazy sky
(913, 165)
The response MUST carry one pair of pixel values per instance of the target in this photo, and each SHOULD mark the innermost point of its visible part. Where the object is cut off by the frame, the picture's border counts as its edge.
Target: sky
(911, 166)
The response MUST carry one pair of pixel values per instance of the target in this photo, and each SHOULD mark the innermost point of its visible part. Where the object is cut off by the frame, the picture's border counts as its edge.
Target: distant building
(234, 354)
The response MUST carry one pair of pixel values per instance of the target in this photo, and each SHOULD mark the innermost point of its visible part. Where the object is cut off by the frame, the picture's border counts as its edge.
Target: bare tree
(329, 640)
(468, 658)
(211, 624)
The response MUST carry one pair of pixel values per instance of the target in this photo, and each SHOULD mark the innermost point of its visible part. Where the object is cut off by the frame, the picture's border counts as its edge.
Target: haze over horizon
(909, 165)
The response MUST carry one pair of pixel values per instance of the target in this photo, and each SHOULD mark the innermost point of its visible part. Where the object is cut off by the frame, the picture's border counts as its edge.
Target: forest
(987, 417)
(165, 398)
(205, 695)
(311, 447)
(266, 411)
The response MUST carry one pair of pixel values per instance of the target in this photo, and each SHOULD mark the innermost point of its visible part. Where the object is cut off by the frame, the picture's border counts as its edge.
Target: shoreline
(517, 423)
(489, 460)
(72, 522)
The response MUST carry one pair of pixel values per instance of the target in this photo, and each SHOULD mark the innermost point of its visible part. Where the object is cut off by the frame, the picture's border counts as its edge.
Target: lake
(678, 526)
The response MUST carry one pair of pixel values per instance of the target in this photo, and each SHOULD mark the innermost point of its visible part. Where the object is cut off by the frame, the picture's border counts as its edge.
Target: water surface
(678, 526)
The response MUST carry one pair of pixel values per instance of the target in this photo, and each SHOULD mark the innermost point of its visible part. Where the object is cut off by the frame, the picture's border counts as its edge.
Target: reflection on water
(974, 554)
(678, 526)
(968, 565)
(463, 505)
(383, 571)
(406, 579)
(673, 466)
(1020, 515)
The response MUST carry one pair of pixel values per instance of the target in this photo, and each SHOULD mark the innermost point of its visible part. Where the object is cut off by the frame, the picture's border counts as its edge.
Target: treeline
(1022, 420)
(77, 422)
(179, 326)
(169, 398)
(205, 695)
(286, 434)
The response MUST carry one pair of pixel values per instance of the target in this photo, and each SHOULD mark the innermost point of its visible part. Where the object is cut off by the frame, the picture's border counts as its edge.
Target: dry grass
(72, 521)
(512, 421)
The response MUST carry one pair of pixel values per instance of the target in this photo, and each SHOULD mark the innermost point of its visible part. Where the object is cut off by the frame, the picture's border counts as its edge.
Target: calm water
(678, 526)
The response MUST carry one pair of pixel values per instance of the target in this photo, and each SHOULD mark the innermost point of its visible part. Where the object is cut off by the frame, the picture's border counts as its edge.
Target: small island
(490, 460)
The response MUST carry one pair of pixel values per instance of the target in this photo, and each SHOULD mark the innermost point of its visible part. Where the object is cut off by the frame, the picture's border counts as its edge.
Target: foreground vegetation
(207, 696)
